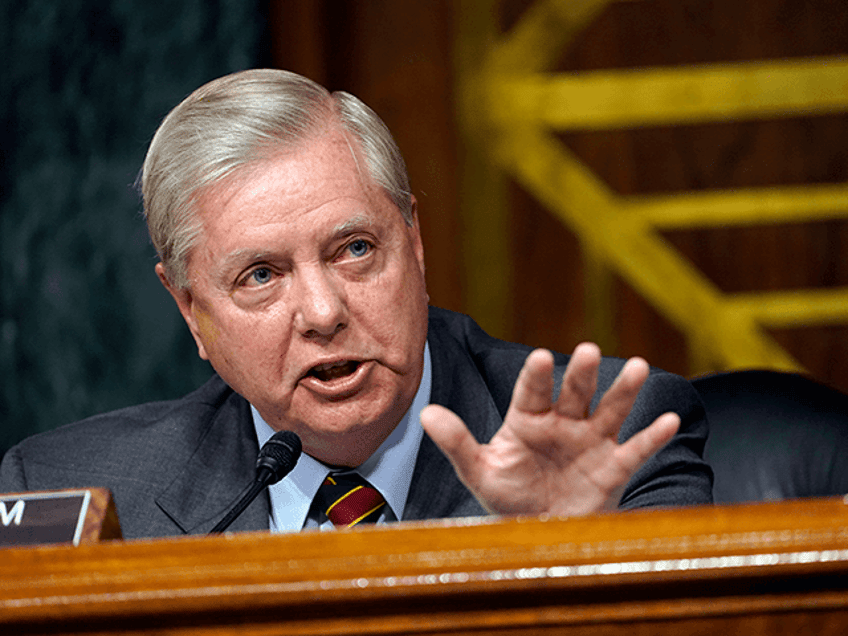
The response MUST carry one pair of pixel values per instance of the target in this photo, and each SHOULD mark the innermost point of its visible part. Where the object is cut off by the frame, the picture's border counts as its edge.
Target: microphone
(276, 459)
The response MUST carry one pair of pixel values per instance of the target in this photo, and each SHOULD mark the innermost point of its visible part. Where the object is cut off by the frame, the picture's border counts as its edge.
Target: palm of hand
(551, 456)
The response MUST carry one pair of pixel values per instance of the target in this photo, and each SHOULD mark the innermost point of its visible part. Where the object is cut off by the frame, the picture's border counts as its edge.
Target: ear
(185, 303)
(415, 233)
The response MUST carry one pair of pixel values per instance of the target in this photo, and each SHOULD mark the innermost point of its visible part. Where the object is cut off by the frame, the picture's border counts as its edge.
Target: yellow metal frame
(509, 110)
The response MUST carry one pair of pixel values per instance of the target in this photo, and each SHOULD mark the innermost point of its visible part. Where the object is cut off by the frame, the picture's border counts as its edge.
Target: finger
(617, 403)
(579, 382)
(534, 387)
(648, 442)
(451, 435)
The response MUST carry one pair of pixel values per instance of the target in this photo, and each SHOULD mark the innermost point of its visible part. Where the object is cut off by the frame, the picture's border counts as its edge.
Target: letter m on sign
(15, 514)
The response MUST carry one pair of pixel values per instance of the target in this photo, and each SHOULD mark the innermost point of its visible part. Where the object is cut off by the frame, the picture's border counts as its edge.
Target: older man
(289, 240)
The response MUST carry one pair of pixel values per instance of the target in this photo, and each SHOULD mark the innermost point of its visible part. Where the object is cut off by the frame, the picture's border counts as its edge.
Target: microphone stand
(276, 460)
(249, 494)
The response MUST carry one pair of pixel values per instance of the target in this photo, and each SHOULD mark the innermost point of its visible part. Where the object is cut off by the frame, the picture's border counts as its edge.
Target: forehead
(318, 185)
(325, 161)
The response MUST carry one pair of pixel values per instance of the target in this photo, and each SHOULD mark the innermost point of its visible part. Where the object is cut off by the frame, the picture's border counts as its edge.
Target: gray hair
(240, 119)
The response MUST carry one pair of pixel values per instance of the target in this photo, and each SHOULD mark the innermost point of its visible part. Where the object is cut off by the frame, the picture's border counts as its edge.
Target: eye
(359, 248)
(259, 276)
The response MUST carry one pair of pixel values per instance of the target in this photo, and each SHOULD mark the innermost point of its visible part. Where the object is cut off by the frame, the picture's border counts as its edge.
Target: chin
(347, 441)
(340, 452)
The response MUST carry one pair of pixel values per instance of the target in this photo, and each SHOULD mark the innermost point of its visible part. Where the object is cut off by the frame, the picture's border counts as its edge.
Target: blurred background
(665, 177)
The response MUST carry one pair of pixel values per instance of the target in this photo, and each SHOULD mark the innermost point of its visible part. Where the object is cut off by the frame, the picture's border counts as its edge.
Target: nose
(321, 307)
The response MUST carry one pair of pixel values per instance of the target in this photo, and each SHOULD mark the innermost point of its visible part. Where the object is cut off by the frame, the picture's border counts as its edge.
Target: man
(289, 240)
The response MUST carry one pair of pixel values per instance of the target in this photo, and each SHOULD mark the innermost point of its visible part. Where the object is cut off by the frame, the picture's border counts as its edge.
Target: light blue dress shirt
(389, 469)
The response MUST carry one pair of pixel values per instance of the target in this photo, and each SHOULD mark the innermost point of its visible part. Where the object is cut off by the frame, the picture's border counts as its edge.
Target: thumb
(451, 435)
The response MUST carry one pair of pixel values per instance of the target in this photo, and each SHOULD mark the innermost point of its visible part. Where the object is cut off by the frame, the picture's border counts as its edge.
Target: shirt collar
(389, 469)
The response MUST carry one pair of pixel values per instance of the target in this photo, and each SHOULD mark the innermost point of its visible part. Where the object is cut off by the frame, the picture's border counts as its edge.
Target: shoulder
(469, 361)
(463, 331)
(133, 422)
(454, 336)
(115, 443)
(500, 361)
(459, 334)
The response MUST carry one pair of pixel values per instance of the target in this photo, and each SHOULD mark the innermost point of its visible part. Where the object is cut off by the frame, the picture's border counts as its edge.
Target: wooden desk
(762, 569)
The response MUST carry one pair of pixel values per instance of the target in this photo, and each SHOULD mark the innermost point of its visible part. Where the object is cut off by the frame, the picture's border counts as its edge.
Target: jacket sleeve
(677, 475)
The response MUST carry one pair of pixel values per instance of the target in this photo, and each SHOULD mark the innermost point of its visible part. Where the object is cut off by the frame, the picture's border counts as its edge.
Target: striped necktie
(348, 500)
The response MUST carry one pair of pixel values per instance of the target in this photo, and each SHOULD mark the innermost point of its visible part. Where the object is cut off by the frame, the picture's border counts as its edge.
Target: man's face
(307, 296)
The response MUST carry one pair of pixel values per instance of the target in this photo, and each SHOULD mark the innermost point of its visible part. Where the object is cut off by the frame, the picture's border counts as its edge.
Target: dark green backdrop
(84, 324)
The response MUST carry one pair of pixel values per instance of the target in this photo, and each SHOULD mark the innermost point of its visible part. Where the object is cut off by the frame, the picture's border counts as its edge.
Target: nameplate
(66, 516)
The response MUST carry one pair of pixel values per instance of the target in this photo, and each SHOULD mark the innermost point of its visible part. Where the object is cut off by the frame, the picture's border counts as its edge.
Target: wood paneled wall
(398, 56)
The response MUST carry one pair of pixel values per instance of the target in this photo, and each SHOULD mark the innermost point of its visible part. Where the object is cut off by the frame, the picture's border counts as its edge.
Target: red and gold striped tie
(348, 500)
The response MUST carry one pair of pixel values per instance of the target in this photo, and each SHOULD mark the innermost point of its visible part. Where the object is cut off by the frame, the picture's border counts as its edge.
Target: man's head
(302, 268)
(237, 120)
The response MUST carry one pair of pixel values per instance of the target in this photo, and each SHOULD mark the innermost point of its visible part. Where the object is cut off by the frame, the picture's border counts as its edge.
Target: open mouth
(333, 370)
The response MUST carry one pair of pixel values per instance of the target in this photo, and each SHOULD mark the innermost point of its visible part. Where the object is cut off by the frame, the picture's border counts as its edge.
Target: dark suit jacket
(177, 467)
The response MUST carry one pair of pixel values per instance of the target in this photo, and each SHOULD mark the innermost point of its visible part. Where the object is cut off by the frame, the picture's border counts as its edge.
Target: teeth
(330, 365)
(332, 370)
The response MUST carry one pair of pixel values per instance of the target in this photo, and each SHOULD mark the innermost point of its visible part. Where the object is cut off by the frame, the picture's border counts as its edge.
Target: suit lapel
(216, 472)
(436, 492)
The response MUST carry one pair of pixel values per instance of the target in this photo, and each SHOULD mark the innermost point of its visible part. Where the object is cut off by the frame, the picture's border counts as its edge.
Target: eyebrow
(235, 259)
(353, 224)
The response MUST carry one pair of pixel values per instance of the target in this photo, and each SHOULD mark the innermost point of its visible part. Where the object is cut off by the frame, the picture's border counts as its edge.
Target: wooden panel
(649, 160)
(398, 57)
(763, 569)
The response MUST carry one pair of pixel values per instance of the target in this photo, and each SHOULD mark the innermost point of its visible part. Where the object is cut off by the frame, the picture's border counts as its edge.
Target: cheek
(234, 337)
(402, 319)
(206, 327)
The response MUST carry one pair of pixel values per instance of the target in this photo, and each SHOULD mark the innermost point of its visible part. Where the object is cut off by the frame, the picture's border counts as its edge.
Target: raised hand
(553, 456)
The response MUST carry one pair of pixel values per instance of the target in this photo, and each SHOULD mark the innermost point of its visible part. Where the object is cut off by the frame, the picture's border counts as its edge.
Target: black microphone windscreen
(278, 456)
